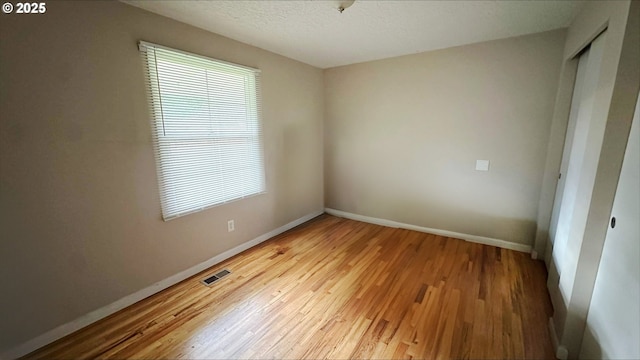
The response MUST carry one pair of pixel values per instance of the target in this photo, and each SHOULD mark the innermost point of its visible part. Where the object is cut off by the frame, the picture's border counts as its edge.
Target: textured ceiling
(316, 33)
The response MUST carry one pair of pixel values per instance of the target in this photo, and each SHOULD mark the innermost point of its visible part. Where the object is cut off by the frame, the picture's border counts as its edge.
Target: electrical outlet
(230, 226)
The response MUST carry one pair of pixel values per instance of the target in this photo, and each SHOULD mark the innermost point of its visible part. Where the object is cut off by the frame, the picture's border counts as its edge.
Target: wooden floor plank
(337, 288)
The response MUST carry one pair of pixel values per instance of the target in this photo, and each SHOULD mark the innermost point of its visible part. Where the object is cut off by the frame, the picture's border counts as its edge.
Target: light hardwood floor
(337, 288)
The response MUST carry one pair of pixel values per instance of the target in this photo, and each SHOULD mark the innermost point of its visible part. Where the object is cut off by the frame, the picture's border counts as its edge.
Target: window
(205, 117)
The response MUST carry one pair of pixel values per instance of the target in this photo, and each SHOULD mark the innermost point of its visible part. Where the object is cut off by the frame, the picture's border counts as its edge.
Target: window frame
(249, 141)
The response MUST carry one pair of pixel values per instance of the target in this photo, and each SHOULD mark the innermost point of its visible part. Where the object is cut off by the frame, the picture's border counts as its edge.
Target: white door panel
(582, 152)
(613, 322)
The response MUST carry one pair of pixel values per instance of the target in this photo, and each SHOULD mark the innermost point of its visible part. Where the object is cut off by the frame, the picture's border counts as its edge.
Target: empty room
(320, 179)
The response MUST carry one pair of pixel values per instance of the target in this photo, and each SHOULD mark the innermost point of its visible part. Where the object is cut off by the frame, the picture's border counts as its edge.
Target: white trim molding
(472, 238)
(534, 254)
(561, 351)
(89, 318)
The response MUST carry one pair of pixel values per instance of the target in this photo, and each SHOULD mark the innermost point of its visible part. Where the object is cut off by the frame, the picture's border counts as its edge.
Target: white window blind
(205, 118)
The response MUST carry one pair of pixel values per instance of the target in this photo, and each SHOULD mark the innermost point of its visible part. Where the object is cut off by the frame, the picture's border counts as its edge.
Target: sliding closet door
(571, 126)
(580, 160)
(613, 323)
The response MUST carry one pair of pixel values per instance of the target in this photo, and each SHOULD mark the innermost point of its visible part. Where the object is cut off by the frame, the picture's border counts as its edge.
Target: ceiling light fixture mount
(345, 4)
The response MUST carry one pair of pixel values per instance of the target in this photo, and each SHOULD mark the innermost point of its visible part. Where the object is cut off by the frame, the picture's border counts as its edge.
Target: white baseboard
(472, 238)
(561, 351)
(87, 319)
(554, 335)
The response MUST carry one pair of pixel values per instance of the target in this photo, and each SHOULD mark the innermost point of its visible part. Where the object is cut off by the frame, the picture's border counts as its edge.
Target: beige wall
(79, 204)
(614, 102)
(403, 135)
